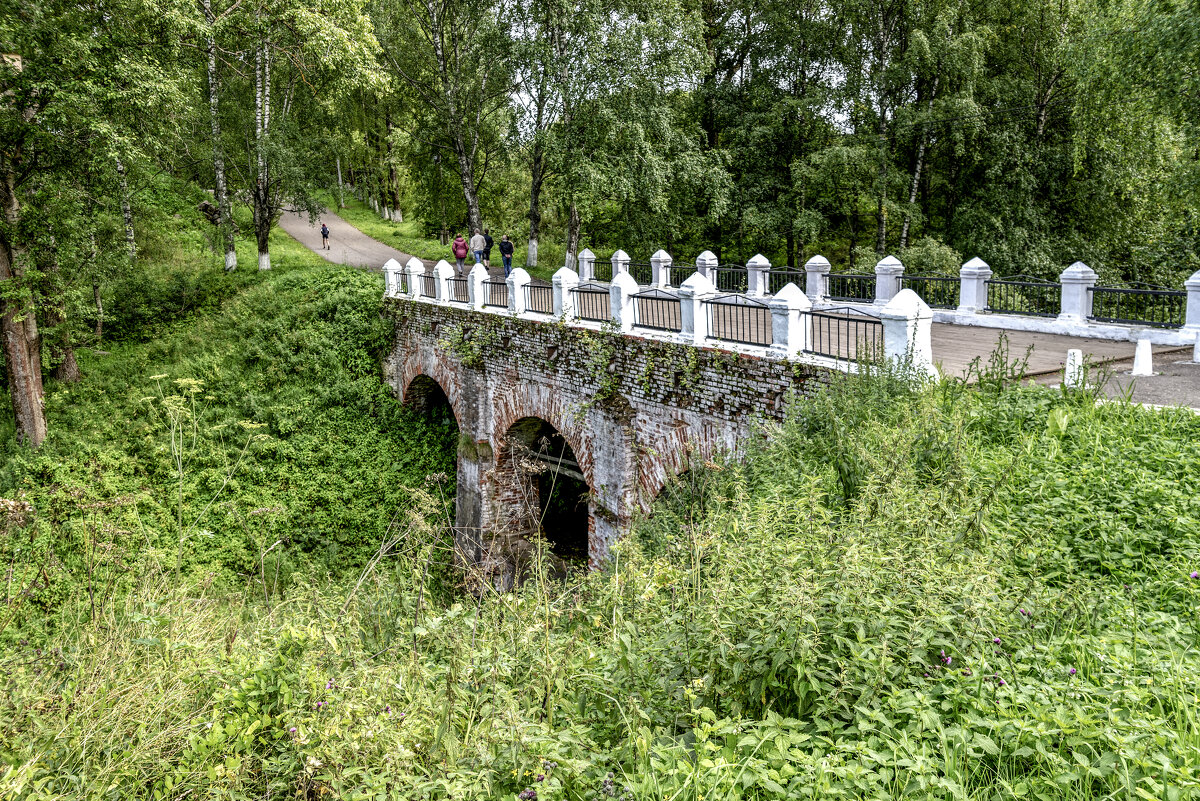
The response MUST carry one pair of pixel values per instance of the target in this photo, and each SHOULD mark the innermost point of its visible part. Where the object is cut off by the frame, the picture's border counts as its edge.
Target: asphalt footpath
(347, 244)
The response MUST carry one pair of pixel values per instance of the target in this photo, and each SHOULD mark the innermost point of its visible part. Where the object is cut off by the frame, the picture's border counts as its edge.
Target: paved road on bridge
(954, 346)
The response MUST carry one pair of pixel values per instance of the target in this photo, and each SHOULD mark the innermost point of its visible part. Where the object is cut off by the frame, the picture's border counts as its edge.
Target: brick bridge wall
(634, 410)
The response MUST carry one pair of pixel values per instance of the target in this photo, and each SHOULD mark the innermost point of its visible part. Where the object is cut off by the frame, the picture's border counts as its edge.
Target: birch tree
(453, 57)
(285, 64)
(221, 191)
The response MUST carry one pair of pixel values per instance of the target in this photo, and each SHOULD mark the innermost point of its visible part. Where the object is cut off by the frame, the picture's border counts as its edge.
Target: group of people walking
(480, 247)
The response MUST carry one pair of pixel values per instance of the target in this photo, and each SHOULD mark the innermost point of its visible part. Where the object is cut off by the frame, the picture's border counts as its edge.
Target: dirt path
(347, 244)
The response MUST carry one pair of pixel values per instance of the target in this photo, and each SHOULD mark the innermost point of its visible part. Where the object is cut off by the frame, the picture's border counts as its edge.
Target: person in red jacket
(460, 250)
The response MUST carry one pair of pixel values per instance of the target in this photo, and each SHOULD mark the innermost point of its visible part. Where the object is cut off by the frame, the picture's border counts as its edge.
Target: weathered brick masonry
(634, 410)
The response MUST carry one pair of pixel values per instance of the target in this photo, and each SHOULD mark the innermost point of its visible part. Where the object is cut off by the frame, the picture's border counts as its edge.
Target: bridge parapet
(786, 325)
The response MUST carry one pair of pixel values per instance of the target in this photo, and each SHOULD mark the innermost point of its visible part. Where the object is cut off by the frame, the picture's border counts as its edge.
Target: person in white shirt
(478, 246)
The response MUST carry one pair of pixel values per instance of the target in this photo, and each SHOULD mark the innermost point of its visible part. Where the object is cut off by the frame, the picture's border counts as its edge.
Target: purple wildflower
(1001, 682)
(541, 777)
(292, 730)
(528, 794)
(996, 640)
(1071, 672)
(1196, 574)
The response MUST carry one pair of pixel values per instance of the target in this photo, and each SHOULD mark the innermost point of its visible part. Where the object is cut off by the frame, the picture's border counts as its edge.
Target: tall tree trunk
(262, 189)
(18, 327)
(537, 174)
(466, 174)
(573, 226)
(99, 311)
(852, 258)
(341, 199)
(225, 218)
(393, 192)
(881, 212)
(127, 212)
(916, 177)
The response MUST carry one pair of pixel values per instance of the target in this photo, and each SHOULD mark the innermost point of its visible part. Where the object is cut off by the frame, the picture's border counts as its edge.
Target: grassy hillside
(232, 427)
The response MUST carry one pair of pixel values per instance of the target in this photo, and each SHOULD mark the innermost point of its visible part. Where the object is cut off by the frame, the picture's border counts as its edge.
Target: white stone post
(620, 296)
(660, 269)
(972, 286)
(476, 291)
(887, 279)
(1191, 320)
(757, 270)
(587, 265)
(415, 269)
(693, 322)
(1076, 280)
(1143, 358)
(816, 271)
(706, 264)
(392, 273)
(907, 330)
(442, 273)
(1074, 376)
(563, 282)
(620, 263)
(517, 280)
(789, 324)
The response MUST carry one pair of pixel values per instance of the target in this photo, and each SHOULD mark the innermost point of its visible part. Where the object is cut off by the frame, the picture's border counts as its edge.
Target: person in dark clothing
(506, 253)
(487, 249)
(324, 236)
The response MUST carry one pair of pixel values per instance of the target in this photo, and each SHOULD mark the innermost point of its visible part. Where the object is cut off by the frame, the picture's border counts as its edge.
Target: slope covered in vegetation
(943, 593)
(231, 427)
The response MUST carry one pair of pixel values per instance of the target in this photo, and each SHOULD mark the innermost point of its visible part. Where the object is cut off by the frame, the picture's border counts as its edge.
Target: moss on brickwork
(606, 364)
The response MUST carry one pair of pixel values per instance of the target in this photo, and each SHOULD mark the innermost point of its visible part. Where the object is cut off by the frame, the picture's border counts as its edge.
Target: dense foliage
(950, 592)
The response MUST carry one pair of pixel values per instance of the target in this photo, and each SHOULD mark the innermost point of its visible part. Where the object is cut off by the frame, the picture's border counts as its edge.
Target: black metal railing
(641, 271)
(458, 290)
(737, 318)
(938, 291)
(681, 273)
(730, 278)
(602, 269)
(1021, 294)
(850, 287)
(1140, 304)
(495, 293)
(402, 280)
(539, 298)
(592, 302)
(778, 279)
(657, 309)
(846, 334)
(428, 286)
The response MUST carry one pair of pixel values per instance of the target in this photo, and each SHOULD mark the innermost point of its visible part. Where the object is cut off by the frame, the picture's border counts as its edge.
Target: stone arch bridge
(571, 426)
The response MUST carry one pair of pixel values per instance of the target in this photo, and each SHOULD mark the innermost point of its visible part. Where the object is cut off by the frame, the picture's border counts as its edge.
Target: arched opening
(427, 398)
(548, 493)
